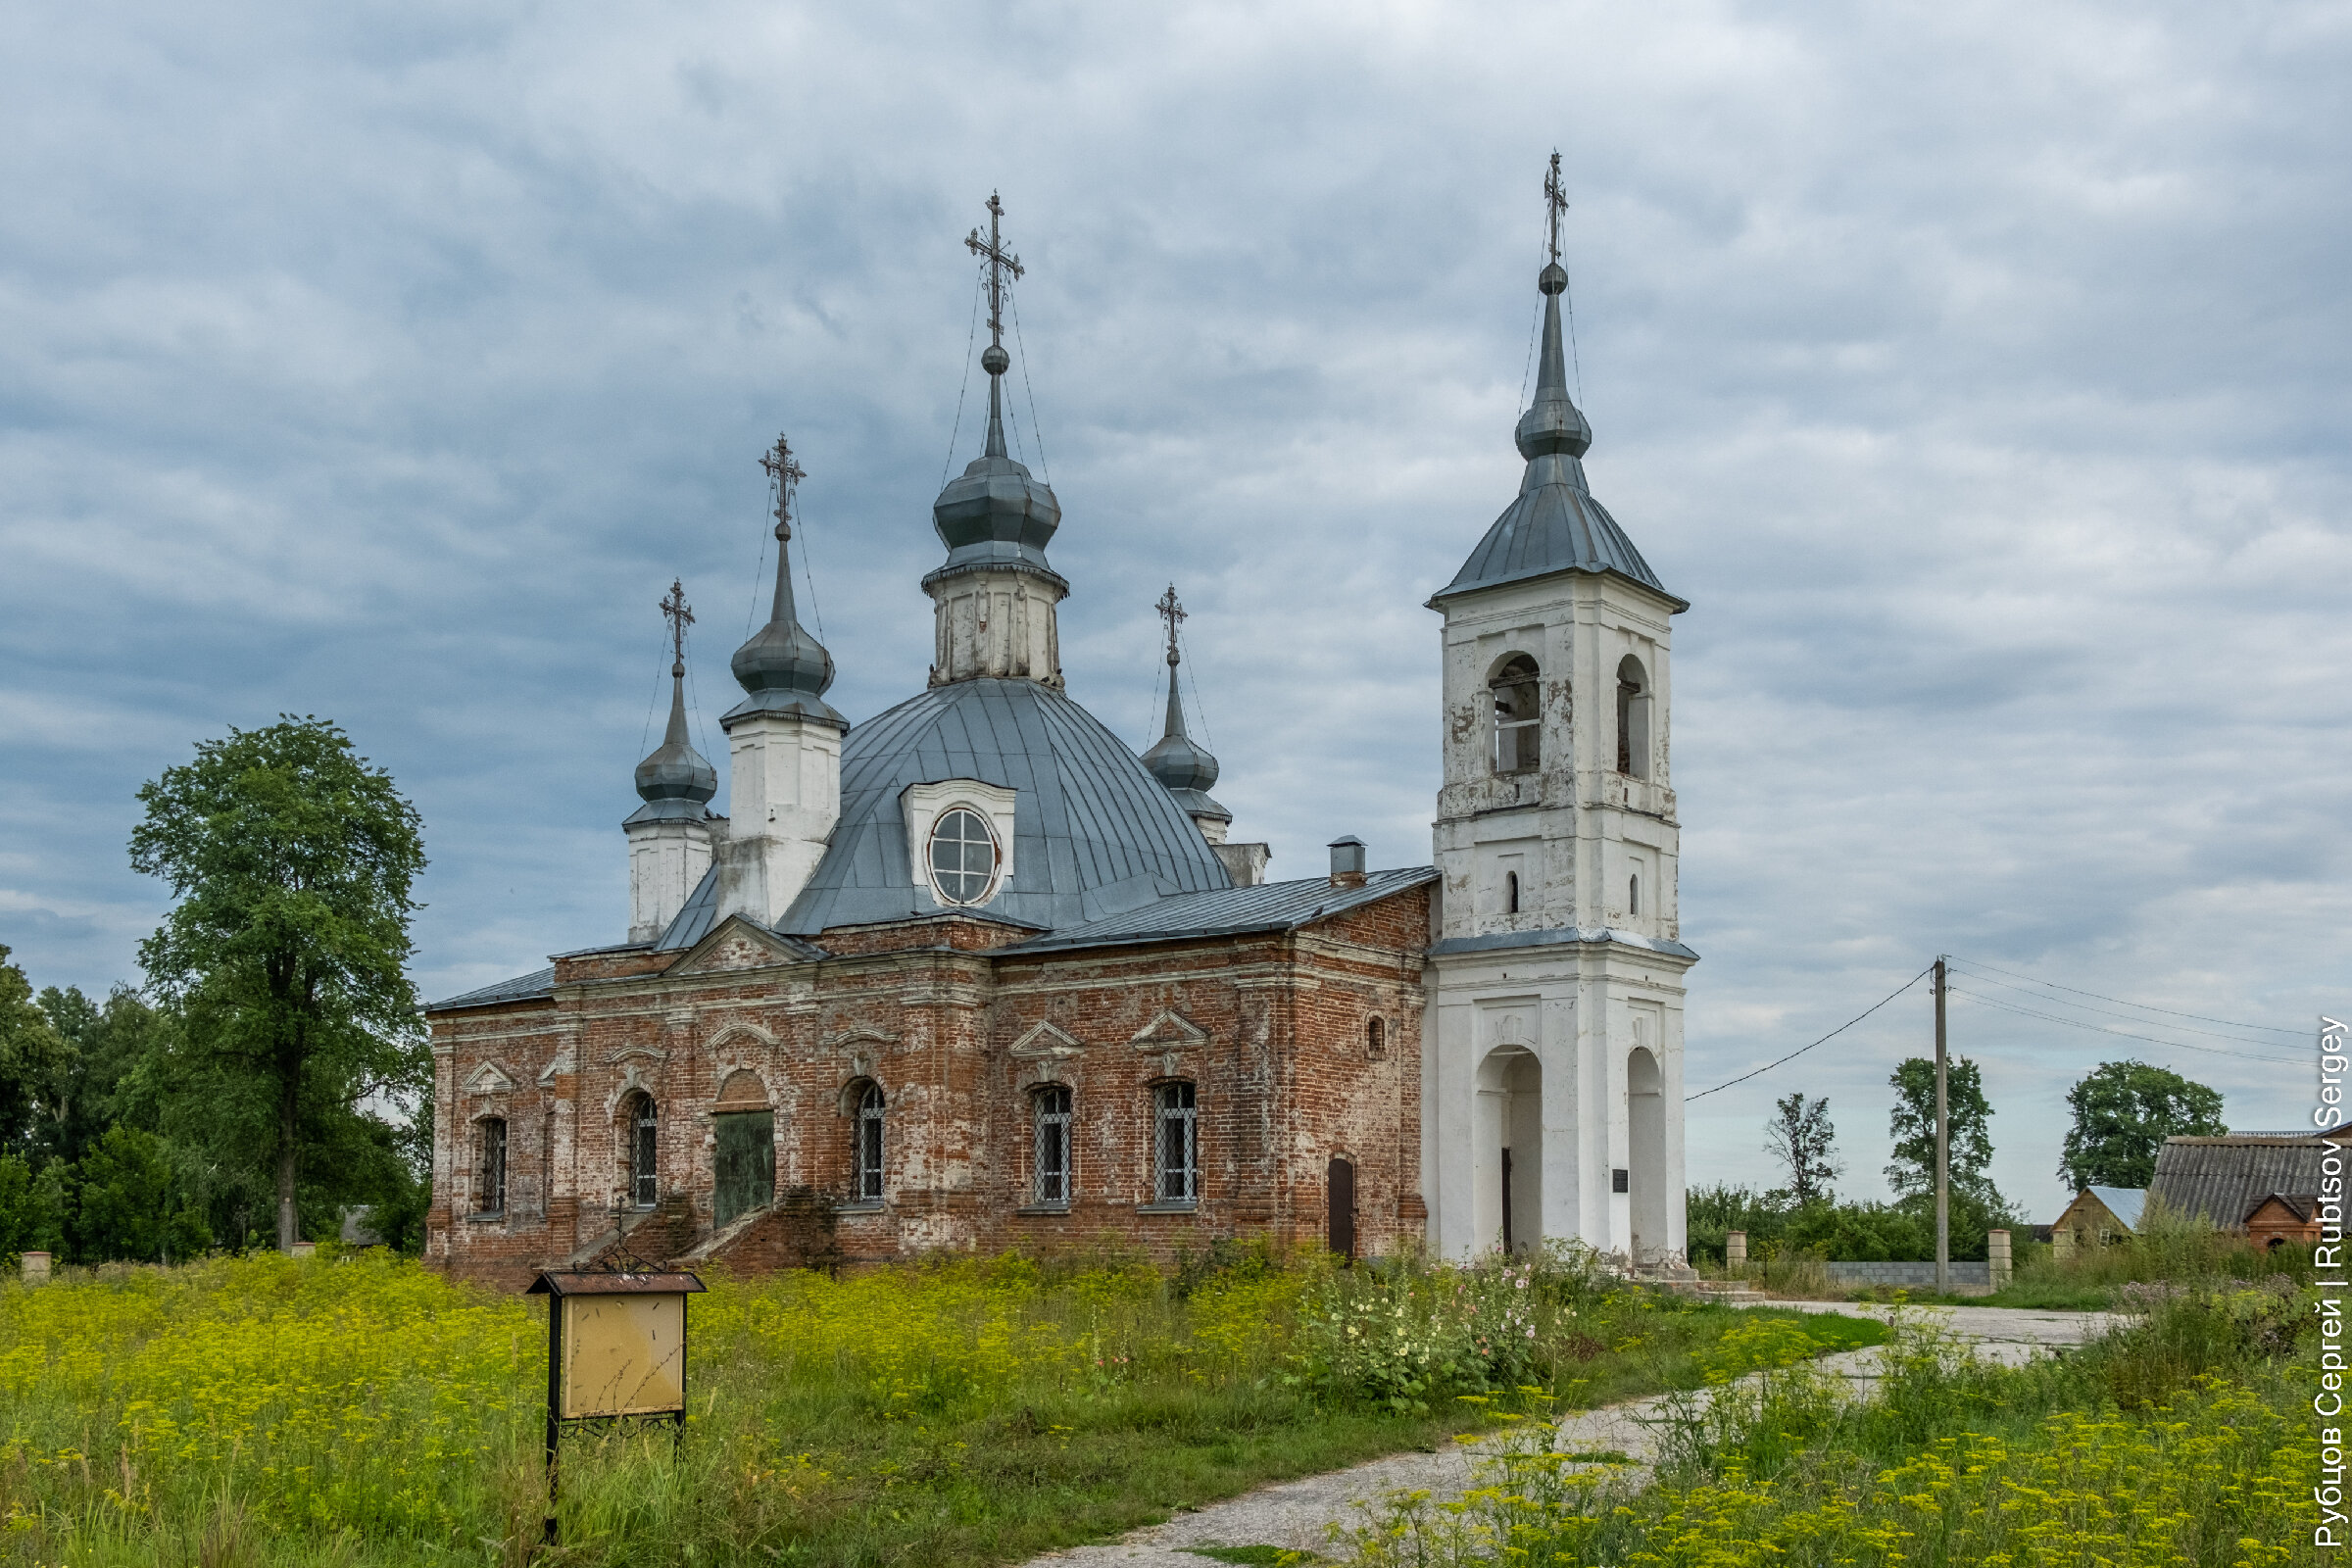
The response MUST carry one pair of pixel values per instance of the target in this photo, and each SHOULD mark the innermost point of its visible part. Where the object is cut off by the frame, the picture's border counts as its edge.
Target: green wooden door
(747, 1162)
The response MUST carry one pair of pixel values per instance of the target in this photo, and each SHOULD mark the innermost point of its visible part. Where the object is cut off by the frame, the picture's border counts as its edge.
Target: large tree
(31, 1056)
(1799, 1134)
(291, 858)
(2124, 1111)
(1912, 1127)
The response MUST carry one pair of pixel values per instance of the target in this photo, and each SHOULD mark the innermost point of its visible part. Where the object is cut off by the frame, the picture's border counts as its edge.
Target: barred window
(867, 1187)
(1175, 1145)
(490, 1165)
(1050, 1171)
(645, 1151)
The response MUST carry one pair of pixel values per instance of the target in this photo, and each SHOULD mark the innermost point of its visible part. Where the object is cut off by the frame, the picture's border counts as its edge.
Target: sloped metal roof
(522, 988)
(2123, 1202)
(1094, 834)
(1227, 912)
(1554, 525)
(2224, 1178)
(694, 920)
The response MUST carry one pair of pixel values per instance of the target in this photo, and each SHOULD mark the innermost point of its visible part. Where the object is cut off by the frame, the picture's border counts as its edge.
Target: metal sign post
(615, 1349)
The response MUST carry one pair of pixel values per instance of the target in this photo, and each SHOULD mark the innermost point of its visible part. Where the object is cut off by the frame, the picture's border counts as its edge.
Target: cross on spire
(784, 470)
(674, 610)
(1000, 262)
(1172, 612)
(1556, 202)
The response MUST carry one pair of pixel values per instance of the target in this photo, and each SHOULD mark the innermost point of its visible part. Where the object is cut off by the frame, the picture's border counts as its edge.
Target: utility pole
(1944, 1151)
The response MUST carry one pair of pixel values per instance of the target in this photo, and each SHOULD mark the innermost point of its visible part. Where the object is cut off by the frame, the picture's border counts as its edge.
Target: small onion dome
(996, 513)
(676, 771)
(782, 668)
(1182, 765)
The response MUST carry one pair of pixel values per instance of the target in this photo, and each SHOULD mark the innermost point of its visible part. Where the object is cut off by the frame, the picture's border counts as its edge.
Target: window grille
(490, 1166)
(645, 1153)
(1517, 689)
(867, 1186)
(1175, 1145)
(963, 857)
(1050, 1171)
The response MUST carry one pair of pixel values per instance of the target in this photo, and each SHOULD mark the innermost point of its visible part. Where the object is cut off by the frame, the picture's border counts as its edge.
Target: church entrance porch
(1649, 1191)
(1507, 1148)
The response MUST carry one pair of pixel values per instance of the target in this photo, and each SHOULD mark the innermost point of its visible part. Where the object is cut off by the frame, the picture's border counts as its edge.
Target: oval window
(963, 857)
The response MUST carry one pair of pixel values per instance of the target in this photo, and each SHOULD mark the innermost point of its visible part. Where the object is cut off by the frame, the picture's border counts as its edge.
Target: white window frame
(923, 804)
(1051, 1121)
(868, 1148)
(1175, 1142)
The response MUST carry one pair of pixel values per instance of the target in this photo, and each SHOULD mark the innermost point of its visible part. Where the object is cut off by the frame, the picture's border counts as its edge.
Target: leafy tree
(2124, 1111)
(131, 1202)
(99, 1083)
(1800, 1136)
(30, 1217)
(31, 1054)
(1913, 1129)
(291, 859)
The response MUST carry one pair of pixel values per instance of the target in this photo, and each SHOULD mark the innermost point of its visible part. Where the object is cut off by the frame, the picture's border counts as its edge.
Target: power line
(1824, 1040)
(2125, 1016)
(2178, 1045)
(2266, 1028)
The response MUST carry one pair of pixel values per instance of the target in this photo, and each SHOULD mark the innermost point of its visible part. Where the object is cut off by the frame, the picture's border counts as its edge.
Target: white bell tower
(1553, 1078)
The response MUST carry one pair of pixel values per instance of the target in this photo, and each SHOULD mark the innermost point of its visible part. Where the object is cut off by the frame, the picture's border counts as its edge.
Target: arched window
(490, 1165)
(866, 1177)
(963, 857)
(1175, 1145)
(1376, 1039)
(1517, 689)
(1510, 893)
(1633, 718)
(643, 1126)
(1633, 894)
(1050, 1167)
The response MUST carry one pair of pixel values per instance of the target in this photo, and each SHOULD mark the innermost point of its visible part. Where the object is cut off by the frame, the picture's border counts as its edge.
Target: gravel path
(1295, 1513)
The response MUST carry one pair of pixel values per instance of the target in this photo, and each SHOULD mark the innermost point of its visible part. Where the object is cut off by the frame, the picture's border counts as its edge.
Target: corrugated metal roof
(523, 987)
(2224, 1178)
(1094, 834)
(1554, 526)
(1268, 906)
(2123, 1202)
(694, 920)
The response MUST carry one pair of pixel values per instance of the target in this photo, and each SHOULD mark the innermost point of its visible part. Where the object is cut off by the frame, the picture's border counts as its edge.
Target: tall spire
(1181, 763)
(996, 514)
(674, 771)
(783, 669)
(1553, 427)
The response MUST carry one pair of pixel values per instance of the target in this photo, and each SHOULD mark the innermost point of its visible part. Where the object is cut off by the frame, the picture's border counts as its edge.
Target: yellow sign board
(622, 1356)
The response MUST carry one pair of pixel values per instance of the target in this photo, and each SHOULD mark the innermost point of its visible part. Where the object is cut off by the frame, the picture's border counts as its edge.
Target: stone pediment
(860, 1036)
(1046, 1039)
(488, 1079)
(1170, 1031)
(737, 944)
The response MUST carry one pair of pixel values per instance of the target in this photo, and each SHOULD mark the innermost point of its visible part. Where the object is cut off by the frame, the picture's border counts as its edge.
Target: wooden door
(1339, 1187)
(746, 1162)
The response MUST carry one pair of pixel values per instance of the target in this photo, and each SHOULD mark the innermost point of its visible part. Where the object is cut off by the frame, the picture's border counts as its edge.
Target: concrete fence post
(1734, 1252)
(37, 1268)
(1997, 1256)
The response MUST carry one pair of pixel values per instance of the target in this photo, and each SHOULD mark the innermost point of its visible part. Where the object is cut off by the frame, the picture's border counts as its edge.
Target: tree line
(271, 1072)
(2123, 1112)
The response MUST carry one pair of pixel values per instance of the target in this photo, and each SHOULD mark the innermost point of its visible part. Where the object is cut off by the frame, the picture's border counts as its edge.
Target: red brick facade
(1273, 1031)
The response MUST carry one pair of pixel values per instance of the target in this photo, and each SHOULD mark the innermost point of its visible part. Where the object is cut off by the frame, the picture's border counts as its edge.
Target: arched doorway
(1645, 1153)
(1507, 1143)
(1338, 1188)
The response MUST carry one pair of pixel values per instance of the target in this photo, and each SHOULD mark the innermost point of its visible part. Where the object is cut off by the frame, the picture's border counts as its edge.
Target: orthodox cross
(674, 610)
(1000, 262)
(1170, 611)
(783, 472)
(1555, 200)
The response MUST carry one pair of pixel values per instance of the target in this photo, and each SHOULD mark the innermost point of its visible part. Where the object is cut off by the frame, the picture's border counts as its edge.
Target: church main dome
(1094, 833)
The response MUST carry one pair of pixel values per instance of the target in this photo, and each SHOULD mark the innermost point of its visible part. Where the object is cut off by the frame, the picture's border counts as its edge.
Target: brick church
(970, 973)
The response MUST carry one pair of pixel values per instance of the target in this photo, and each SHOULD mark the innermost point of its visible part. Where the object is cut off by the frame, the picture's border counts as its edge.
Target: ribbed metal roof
(1554, 525)
(2224, 1178)
(1268, 906)
(2123, 1202)
(523, 987)
(1094, 834)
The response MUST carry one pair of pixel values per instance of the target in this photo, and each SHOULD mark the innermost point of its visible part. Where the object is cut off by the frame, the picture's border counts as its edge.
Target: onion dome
(1555, 524)
(674, 780)
(1182, 765)
(782, 668)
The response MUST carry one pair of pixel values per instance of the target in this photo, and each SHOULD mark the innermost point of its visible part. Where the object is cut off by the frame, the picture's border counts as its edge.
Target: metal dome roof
(1094, 834)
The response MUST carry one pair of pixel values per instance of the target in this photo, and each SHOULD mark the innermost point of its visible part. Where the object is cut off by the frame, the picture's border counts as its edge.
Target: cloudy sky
(1978, 372)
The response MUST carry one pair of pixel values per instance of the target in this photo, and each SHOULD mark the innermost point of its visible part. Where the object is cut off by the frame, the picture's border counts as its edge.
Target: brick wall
(1272, 1030)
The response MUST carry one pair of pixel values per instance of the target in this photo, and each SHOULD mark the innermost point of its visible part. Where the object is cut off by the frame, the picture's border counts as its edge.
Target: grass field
(362, 1411)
